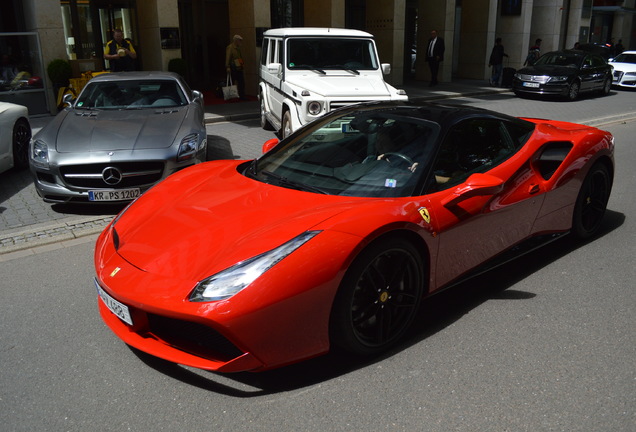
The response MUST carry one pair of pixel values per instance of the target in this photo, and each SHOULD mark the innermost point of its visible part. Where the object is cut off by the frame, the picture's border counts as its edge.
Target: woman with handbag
(234, 64)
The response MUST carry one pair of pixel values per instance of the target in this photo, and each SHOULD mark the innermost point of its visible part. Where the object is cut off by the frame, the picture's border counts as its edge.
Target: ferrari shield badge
(425, 214)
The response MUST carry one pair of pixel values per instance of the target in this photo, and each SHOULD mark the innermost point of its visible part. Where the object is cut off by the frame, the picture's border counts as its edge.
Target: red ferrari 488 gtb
(332, 238)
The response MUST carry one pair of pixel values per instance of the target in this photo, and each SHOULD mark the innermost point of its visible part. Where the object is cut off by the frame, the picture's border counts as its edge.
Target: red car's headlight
(228, 282)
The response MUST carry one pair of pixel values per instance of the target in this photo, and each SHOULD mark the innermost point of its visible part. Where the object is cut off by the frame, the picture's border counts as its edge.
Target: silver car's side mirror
(68, 100)
(386, 68)
(197, 96)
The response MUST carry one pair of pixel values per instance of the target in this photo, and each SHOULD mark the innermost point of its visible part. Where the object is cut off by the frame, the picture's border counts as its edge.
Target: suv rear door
(272, 74)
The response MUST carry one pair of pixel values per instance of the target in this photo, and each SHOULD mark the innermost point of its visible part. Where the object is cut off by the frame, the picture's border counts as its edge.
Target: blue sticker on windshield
(346, 128)
(390, 183)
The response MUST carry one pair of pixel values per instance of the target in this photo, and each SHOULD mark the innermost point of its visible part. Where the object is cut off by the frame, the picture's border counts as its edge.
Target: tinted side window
(475, 146)
(276, 51)
(264, 52)
(597, 61)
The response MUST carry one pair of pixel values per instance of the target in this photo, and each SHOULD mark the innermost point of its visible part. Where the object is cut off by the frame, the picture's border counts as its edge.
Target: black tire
(591, 202)
(265, 124)
(607, 86)
(378, 298)
(573, 90)
(285, 129)
(21, 142)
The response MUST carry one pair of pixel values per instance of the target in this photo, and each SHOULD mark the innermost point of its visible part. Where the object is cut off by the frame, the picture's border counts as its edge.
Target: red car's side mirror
(476, 185)
(269, 144)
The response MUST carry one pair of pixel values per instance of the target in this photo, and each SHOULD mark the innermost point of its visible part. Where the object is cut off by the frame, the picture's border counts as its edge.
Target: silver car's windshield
(331, 53)
(131, 94)
(364, 154)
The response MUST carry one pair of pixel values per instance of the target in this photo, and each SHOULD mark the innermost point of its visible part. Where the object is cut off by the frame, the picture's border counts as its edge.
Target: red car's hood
(105, 130)
(195, 224)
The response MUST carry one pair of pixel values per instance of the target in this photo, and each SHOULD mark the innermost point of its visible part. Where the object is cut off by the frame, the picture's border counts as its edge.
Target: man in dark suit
(434, 55)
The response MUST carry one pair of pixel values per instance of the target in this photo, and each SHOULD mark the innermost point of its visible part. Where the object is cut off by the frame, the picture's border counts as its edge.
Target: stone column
(385, 20)
(477, 37)
(438, 15)
(45, 18)
(245, 17)
(329, 13)
(151, 17)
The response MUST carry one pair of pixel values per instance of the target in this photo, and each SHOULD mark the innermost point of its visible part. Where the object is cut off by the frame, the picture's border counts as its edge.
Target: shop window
(22, 72)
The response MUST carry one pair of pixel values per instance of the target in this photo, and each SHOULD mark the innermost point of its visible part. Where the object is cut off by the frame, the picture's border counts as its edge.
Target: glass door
(89, 25)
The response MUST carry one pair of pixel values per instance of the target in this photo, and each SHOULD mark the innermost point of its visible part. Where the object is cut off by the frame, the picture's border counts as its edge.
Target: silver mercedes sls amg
(124, 133)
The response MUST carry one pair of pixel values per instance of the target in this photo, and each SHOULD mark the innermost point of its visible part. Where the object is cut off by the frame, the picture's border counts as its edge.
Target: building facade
(35, 32)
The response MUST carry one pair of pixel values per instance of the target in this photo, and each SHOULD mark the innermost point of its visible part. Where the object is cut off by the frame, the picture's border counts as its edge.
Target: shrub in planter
(59, 72)
(178, 65)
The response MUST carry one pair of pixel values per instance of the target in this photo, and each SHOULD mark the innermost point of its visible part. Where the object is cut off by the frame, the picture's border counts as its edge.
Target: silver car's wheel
(286, 129)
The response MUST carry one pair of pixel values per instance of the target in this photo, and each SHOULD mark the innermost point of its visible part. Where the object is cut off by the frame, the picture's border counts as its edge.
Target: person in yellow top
(234, 64)
(120, 52)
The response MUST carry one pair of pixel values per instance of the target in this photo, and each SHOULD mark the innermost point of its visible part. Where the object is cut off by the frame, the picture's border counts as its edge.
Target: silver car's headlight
(40, 154)
(228, 282)
(188, 147)
(558, 78)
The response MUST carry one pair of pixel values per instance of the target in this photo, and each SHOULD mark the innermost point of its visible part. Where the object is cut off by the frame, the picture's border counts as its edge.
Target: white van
(307, 72)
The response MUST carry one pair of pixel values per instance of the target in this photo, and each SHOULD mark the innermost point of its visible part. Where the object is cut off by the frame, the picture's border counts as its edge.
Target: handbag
(230, 91)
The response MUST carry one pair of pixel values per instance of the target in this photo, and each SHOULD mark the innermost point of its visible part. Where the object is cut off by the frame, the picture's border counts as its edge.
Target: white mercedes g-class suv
(307, 72)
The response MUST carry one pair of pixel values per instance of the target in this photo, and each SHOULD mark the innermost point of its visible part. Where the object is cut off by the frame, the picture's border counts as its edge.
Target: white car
(308, 72)
(624, 69)
(15, 135)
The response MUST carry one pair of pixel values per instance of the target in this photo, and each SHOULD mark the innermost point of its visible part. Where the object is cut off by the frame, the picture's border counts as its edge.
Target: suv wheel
(286, 129)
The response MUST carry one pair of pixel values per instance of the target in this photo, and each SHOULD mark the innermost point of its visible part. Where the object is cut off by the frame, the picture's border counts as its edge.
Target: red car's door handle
(533, 189)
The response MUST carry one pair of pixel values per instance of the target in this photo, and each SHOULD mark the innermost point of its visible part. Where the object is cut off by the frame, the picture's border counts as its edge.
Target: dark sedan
(564, 73)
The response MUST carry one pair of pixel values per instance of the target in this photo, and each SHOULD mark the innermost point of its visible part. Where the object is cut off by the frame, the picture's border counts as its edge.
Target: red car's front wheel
(378, 297)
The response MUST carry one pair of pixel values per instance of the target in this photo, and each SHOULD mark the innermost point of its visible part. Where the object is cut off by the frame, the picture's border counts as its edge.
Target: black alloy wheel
(21, 141)
(378, 297)
(591, 202)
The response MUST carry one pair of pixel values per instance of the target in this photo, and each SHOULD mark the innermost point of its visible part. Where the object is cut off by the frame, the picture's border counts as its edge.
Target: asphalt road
(544, 344)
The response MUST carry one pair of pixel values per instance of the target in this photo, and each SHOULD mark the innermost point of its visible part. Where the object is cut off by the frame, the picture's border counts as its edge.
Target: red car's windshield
(365, 154)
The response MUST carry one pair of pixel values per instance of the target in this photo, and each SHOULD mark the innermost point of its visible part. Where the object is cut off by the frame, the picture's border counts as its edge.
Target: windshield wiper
(344, 68)
(284, 181)
(311, 68)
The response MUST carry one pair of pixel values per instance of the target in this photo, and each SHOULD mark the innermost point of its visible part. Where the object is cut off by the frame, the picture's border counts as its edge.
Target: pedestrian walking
(496, 62)
(434, 55)
(234, 64)
(533, 53)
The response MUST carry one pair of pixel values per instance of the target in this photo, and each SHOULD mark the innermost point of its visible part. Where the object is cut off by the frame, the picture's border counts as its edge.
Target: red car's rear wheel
(378, 297)
(592, 202)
